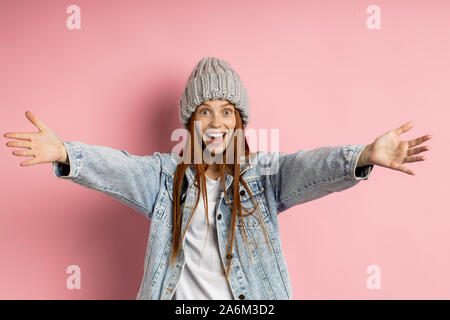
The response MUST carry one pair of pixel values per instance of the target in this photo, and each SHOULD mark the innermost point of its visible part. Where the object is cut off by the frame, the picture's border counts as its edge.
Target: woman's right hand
(44, 146)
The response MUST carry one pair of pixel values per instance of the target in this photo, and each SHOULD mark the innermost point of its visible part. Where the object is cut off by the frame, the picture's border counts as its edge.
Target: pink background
(312, 69)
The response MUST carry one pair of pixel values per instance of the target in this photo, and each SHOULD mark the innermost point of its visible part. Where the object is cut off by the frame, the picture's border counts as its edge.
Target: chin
(215, 150)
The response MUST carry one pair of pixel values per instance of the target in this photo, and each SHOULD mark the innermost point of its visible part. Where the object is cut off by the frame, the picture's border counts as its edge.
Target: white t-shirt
(203, 277)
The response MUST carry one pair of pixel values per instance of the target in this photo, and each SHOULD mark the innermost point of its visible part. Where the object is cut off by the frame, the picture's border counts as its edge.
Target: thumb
(34, 120)
(399, 167)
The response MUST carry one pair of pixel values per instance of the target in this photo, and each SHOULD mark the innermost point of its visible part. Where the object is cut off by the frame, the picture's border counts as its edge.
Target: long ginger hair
(194, 148)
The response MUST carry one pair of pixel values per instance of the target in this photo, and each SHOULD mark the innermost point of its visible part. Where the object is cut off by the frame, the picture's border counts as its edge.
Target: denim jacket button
(241, 296)
(219, 216)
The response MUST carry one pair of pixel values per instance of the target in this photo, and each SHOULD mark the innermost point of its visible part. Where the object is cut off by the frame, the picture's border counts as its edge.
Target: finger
(404, 128)
(34, 120)
(23, 153)
(414, 159)
(399, 167)
(20, 143)
(20, 135)
(411, 152)
(29, 162)
(415, 142)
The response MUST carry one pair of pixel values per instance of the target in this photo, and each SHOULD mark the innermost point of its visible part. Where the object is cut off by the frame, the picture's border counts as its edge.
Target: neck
(213, 171)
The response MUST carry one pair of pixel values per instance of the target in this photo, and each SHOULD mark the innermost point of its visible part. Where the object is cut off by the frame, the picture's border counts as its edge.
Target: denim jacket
(278, 181)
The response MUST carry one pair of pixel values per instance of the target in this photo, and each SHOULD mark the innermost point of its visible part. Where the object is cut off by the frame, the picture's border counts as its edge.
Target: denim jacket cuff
(75, 158)
(351, 171)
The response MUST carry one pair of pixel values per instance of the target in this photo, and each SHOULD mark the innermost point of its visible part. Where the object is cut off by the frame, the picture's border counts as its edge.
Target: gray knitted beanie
(212, 79)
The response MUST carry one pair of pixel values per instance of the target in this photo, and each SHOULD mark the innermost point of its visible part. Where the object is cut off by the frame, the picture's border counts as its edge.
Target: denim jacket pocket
(252, 220)
(169, 188)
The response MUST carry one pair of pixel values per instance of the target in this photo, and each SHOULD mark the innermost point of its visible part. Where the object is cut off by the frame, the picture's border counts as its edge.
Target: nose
(215, 122)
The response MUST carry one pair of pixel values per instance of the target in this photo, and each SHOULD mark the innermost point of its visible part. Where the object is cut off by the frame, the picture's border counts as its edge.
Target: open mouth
(215, 138)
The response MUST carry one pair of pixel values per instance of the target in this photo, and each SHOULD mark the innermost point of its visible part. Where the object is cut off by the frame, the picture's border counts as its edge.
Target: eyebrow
(223, 105)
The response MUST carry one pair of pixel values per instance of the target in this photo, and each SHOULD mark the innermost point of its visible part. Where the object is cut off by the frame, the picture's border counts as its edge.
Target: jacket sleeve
(311, 174)
(133, 180)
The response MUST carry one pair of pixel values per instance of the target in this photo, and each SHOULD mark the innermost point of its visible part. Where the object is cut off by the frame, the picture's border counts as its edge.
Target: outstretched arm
(311, 174)
(133, 180)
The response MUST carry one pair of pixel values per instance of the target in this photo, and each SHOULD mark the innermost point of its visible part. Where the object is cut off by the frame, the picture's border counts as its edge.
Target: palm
(44, 146)
(388, 151)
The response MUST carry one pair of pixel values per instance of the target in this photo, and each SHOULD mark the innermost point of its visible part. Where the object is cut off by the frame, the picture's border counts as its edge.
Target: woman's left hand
(388, 151)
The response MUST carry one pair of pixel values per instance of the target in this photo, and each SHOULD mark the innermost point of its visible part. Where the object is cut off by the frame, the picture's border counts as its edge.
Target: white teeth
(215, 135)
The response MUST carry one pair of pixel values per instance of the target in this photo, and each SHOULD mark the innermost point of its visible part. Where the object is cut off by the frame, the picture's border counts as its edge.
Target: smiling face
(218, 121)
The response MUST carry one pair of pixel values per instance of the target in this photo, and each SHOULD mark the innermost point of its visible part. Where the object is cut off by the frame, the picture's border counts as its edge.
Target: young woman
(214, 206)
